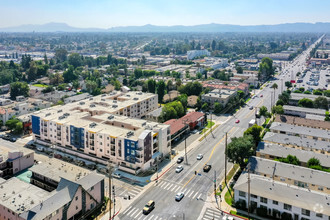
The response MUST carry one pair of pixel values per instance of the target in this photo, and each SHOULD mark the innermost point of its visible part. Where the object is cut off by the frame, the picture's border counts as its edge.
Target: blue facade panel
(35, 124)
(130, 150)
(77, 137)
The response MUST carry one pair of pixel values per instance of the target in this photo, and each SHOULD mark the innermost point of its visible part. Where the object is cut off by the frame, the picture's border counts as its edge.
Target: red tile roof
(178, 124)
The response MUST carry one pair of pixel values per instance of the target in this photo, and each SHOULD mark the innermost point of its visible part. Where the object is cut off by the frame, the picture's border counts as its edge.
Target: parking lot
(314, 79)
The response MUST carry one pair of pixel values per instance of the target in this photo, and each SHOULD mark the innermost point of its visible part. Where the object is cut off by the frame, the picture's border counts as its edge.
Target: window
(254, 196)
(287, 207)
(76, 207)
(305, 212)
(320, 215)
(263, 200)
(92, 188)
(242, 194)
(320, 188)
(275, 202)
(76, 198)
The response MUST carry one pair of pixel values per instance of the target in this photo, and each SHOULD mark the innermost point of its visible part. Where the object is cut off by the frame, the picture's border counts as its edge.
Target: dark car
(207, 168)
(180, 159)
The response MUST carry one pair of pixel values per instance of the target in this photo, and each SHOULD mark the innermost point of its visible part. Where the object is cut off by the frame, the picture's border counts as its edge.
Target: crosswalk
(213, 214)
(136, 213)
(132, 192)
(178, 188)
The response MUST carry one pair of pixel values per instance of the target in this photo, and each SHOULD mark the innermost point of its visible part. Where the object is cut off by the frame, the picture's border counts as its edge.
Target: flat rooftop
(303, 155)
(284, 193)
(306, 110)
(55, 169)
(299, 173)
(20, 196)
(283, 127)
(302, 121)
(296, 141)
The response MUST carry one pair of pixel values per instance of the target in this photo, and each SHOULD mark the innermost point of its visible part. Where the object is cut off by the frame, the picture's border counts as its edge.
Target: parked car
(179, 196)
(116, 175)
(237, 121)
(207, 168)
(251, 107)
(13, 139)
(180, 159)
(179, 169)
(199, 156)
(41, 149)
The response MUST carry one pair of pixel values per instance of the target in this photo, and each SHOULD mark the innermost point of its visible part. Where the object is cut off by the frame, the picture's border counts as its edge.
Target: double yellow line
(215, 146)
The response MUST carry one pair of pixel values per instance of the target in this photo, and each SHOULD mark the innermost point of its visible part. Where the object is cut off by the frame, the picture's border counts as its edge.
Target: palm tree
(274, 86)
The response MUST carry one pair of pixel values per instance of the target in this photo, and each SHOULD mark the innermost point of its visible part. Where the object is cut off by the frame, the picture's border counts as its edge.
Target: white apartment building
(95, 128)
(191, 54)
(278, 198)
(219, 95)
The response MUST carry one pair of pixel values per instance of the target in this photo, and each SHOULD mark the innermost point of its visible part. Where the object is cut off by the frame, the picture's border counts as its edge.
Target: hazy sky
(110, 13)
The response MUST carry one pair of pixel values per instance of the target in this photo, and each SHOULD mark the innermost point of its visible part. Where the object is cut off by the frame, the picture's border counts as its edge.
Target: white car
(199, 156)
(116, 175)
(179, 169)
(179, 196)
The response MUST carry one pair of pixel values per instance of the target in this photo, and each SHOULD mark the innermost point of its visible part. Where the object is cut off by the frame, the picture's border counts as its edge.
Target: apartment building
(295, 97)
(70, 200)
(95, 128)
(276, 151)
(221, 96)
(191, 54)
(303, 112)
(293, 175)
(300, 131)
(14, 161)
(281, 200)
(322, 147)
(305, 122)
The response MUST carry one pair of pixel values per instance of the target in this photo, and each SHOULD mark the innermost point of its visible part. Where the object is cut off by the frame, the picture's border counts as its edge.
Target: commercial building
(221, 96)
(276, 198)
(302, 112)
(14, 161)
(191, 54)
(100, 129)
(276, 151)
(188, 122)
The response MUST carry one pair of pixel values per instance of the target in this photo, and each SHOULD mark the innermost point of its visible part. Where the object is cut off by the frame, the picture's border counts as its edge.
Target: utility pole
(157, 172)
(248, 191)
(114, 200)
(215, 186)
(185, 141)
(110, 188)
(255, 115)
(211, 123)
(226, 159)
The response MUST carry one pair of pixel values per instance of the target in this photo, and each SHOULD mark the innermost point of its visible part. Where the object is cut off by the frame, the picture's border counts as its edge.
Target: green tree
(326, 93)
(291, 160)
(278, 109)
(213, 45)
(255, 132)
(56, 79)
(184, 101)
(217, 108)
(305, 102)
(15, 125)
(240, 149)
(137, 73)
(321, 102)
(19, 88)
(151, 85)
(263, 111)
(61, 55)
(266, 69)
(199, 75)
(161, 90)
(274, 86)
(75, 60)
(313, 162)
(32, 71)
(239, 69)
(317, 92)
(70, 75)
(288, 84)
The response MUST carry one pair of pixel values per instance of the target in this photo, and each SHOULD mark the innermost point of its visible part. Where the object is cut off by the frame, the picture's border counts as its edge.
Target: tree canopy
(240, 149)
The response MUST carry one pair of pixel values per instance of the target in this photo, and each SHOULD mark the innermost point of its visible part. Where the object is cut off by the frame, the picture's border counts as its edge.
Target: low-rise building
(302, 112)
(295, 97)
(305, 122)
(154, 115)
(191, 54)
(300, 131)
(14, 161)
(276, 151)
(232, 85)
(192, 100)
(77, 98)
(221, 96)
(277, 198)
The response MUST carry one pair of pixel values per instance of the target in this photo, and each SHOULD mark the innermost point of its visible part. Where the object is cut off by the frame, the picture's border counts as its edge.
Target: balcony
(139, 149)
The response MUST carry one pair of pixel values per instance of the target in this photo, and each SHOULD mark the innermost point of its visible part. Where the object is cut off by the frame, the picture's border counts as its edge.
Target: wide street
(196, 188)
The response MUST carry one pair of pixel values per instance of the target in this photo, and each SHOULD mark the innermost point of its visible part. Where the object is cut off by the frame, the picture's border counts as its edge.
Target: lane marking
(209, 156)
(133, 213)
(127, 210)
(195, 195)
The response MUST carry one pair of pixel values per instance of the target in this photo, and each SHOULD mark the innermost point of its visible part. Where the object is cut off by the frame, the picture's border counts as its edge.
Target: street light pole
(185, 141)
(110, 188)
(226, 159)
(211, 123)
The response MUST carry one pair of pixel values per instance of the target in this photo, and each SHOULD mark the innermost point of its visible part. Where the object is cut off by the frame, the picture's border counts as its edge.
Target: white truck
(252, 122)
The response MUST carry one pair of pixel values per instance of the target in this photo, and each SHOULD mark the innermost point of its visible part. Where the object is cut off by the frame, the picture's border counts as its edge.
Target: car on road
(148, 207)
(237, 121)
(199, 156)
(179, 196)
(179, 169)
(251, 107)
(261, 95)
(40, 149)
(116, 175)
(207, 168)
(180, 159)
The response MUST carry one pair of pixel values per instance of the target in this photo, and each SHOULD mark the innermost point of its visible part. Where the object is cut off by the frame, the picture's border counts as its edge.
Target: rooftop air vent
(59, 111)
(82, 103)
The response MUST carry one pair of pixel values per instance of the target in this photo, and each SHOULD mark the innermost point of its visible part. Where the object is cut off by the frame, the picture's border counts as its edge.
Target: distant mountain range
(288, 27)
